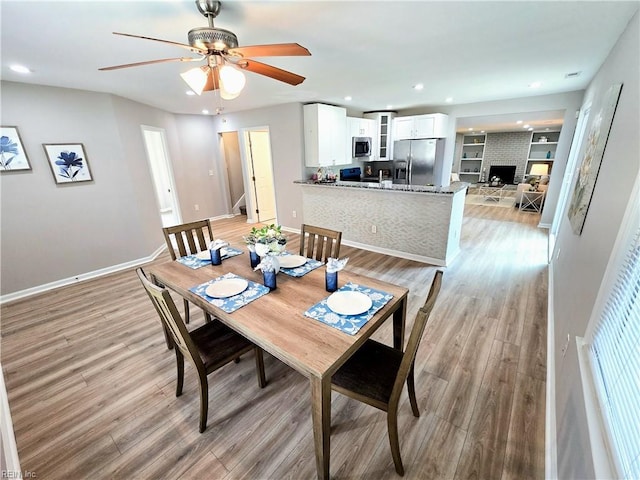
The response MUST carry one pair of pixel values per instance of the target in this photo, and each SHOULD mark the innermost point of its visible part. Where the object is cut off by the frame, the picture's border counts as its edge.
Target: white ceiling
(374, 51)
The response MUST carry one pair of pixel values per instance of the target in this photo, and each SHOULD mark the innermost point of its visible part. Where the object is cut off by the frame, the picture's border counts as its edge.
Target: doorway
(162, 175)
(259, 186)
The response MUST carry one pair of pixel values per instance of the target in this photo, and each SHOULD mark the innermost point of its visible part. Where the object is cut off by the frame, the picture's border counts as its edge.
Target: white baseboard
(396, 253)
(550, 433)
(80, 278)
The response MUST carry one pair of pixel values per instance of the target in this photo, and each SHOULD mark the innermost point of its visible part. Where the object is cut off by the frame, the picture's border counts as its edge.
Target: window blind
(615, 357)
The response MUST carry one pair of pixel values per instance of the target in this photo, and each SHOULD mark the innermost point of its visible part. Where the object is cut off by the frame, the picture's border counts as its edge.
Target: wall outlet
(196, 207)
(294, 214)
(374, 229)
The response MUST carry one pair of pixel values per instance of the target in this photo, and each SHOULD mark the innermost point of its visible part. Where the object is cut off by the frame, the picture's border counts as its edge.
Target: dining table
(276, 322)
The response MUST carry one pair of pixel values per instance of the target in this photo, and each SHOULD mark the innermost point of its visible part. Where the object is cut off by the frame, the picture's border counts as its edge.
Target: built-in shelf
(470, 166)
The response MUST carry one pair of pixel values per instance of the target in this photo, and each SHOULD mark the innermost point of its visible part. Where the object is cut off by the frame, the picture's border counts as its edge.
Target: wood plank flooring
(91, 384)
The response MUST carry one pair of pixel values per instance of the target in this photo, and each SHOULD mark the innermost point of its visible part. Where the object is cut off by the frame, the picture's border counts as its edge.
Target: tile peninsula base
(421, 226)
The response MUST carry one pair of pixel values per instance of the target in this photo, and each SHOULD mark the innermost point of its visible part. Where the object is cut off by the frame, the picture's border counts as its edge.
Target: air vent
(572, 75)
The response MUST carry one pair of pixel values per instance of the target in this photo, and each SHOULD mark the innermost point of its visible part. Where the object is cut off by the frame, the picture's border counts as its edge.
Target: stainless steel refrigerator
(416, 161)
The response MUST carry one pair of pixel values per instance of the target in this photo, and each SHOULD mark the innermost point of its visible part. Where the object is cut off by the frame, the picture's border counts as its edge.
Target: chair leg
(186, 311)
(204, 401)
(412, 393)
(180, 368)
(392, 427)
(262, 379)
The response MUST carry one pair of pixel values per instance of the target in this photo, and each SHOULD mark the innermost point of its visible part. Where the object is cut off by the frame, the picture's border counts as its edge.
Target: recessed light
(190, 92)
(348, 98)
(470, 129)
(519, 122)
(448, 99)
(20, 69)
(526, 126)
(535, 85)
(530, 129)
(481, 131)
(418, 86)
(205, 112)
(546, 129)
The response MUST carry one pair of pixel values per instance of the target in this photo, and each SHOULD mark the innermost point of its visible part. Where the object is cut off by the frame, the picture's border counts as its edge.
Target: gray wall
(581, 263)
(507, 148)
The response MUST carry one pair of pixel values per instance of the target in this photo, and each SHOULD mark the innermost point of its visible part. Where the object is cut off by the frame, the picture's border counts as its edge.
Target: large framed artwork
(13, 158)
(593, 153)
(68, 162)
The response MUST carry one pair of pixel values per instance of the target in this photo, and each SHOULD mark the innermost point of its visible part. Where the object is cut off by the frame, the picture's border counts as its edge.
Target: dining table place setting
(230, 291)
(297, 265)
(218, 250)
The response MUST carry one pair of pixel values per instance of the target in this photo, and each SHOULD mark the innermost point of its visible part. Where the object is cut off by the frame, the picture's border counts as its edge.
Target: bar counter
(416, 222)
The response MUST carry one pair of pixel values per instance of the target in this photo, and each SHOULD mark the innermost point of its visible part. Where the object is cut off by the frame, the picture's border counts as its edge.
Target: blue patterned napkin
(192, 261)
(231, 304)
(349, 323)
(302, 269)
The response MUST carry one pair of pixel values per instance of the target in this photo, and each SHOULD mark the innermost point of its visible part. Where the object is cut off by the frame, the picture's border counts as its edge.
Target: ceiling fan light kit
(224, 57)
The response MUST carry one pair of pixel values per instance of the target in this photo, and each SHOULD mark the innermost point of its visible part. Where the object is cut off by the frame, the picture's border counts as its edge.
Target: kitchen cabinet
(325, 136)
(382, 139)
(542, 149)
(471, 169)
(433, 125)
(360, 127)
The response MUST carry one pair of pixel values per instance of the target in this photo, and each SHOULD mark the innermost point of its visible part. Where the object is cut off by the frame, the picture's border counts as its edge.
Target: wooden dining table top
(276, 321)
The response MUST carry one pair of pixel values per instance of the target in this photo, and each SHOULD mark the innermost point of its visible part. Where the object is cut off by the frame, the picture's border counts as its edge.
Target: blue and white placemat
(231, 304)
(192, 261)
(350, 324)
(311, 264)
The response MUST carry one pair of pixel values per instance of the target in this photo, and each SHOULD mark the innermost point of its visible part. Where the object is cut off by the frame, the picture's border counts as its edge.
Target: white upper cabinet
(382, 139)
(325, 128)
(420, 126)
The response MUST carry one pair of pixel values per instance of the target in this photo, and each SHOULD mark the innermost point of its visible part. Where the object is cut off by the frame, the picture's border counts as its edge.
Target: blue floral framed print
(13, 158)
(68, 162)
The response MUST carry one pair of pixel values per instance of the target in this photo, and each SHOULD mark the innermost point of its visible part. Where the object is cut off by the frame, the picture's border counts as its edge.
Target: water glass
(216, 257)
(269, 279)
(331, 281)
(254, 258)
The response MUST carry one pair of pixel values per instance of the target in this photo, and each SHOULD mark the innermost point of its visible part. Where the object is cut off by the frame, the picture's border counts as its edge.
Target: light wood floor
(92, 386)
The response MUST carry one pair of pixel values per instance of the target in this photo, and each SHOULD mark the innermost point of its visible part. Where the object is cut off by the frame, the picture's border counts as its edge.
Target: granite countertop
(455, 187)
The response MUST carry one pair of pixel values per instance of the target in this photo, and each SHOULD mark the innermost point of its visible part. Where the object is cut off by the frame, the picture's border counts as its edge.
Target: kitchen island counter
(420, 223)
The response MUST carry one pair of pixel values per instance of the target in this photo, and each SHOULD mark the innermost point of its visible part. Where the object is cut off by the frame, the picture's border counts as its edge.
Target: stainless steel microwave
(361, 147)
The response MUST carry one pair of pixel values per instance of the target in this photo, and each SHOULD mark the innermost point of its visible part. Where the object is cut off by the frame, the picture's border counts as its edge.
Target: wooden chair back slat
(171, 319)
(415, 337)
(319, 243)
(190, 232)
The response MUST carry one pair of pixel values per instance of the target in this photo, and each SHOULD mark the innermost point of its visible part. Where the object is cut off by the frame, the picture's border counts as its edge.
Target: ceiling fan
(225, 59)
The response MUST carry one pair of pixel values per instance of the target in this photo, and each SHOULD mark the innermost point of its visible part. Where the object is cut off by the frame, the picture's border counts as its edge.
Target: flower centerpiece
(266, 240)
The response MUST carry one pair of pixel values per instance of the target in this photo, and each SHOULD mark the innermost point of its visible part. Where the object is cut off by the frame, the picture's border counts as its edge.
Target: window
(612, 345)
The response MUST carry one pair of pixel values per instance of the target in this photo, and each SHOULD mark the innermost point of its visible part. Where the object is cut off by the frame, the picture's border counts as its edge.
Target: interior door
(260, 151)
(161, 174)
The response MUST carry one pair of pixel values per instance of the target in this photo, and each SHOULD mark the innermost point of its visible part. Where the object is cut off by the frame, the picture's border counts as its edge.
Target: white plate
(349, 303)
(206, 255)
(291, 261)
(227, 287)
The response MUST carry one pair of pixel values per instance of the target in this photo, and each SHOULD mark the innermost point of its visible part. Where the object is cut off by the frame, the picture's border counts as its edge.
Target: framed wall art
(68, 162)
(13, 158)
(590, 166)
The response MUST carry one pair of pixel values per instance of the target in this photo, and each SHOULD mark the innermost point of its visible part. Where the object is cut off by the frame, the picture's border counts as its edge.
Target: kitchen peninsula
(409, 221)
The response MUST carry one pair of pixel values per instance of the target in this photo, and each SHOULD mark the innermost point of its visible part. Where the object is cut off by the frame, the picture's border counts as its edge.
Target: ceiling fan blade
(176, 44)
(213, 81)
(272, 50)
(150, 62)
(271, 71)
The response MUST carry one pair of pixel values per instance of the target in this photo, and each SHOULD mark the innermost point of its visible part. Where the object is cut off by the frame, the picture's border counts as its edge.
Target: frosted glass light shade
(197, 78)
(232, 82)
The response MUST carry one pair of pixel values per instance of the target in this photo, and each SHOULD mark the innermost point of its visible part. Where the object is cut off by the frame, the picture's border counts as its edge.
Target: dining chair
(208, 348)
(375, 374)
(188, 238)
(319, 243)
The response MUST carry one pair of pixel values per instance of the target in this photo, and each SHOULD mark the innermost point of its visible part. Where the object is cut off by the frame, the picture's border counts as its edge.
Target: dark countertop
(455, 187)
